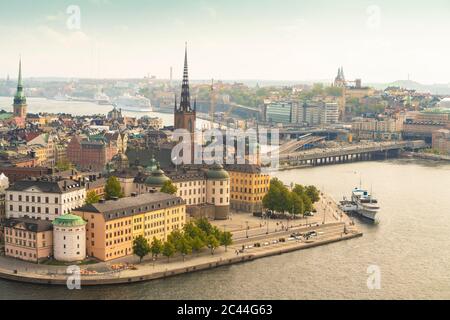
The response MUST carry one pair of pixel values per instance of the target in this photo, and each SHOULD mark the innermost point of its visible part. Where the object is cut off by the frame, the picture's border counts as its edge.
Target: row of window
(22, 234)
(38, 199)
(250, 182)
(250, 190)
(20, 253)
(245, 198)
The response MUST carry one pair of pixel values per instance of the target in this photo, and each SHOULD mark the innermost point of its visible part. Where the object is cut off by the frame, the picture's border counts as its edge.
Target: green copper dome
(216, 172)
(69, 220)
(157, 178)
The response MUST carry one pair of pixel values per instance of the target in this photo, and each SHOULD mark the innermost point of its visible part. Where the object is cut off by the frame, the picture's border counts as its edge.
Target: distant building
(279, 112)
(339, 81)
(330, 113)
(441, 141)
(96, 151)
(421, 125)
(378, 130)
(28, 239)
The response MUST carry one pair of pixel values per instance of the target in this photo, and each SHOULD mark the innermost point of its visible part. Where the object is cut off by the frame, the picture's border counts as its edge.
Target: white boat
(362, 203)
(102, 99)
(61, 97)
(133, 103)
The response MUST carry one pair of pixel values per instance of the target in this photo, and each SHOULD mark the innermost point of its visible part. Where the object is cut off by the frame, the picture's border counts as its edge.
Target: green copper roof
(69, 220)
(216, 172)
(157, 178)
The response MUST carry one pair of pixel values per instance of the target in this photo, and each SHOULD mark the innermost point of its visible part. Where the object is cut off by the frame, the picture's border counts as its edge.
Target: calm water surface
(410, 245)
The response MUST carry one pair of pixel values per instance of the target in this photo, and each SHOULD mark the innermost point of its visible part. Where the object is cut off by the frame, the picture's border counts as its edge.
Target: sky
(378, 41)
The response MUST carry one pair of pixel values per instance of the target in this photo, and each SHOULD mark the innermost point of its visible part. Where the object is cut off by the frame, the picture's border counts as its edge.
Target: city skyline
(293, 41)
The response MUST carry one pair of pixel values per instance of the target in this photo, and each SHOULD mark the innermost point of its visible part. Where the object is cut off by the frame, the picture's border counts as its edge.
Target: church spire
(19, 83)
(20, 101)
(19, 98)
(185, 104)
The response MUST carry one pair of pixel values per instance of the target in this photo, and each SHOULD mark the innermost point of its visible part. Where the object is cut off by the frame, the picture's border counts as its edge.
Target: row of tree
(194, 237)
(298, 201)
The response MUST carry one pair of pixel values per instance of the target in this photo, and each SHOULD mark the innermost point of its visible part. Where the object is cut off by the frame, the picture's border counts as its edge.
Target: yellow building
(113, 225)
(248, 186)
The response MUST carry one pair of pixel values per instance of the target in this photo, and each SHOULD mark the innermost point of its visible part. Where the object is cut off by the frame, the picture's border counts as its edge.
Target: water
(410, 245)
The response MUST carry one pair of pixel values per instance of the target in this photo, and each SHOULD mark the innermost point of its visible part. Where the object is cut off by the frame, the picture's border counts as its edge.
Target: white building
(69, 238)
(44, 198)
(330, 113)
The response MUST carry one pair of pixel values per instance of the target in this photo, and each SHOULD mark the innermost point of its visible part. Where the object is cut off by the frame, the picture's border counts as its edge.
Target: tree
(175, 237)
(226, 239)
(92, 197)
(313, 193)
(197, 244)
(307, 203)
(296, 203)
(169, 187)
(168, 250)
(277, 198)
(184, 247)
(212, 243)
(193, 231)
(156, 247)
(204, 225)
(141, 247)
(113, 188)
(299, 189)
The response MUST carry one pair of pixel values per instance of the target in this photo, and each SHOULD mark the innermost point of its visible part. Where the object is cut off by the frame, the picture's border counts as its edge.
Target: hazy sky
(378, 41)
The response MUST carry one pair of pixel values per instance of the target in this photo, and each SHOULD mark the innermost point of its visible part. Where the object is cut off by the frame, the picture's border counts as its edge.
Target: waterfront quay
(330, 223)
(350, 153)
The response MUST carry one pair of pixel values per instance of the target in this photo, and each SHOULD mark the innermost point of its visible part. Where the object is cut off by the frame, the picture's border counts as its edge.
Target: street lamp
(246, 230)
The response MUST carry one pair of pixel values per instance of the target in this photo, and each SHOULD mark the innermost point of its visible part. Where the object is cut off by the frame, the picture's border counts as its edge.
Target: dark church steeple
(185, 104)
(185, 115)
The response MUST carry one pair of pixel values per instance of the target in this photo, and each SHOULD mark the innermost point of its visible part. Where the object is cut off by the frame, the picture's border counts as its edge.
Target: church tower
(20, 102)
(185, 115)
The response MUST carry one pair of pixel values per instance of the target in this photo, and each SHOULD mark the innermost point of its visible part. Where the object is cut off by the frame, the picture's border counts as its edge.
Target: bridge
(358, 152)
(296, 145)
